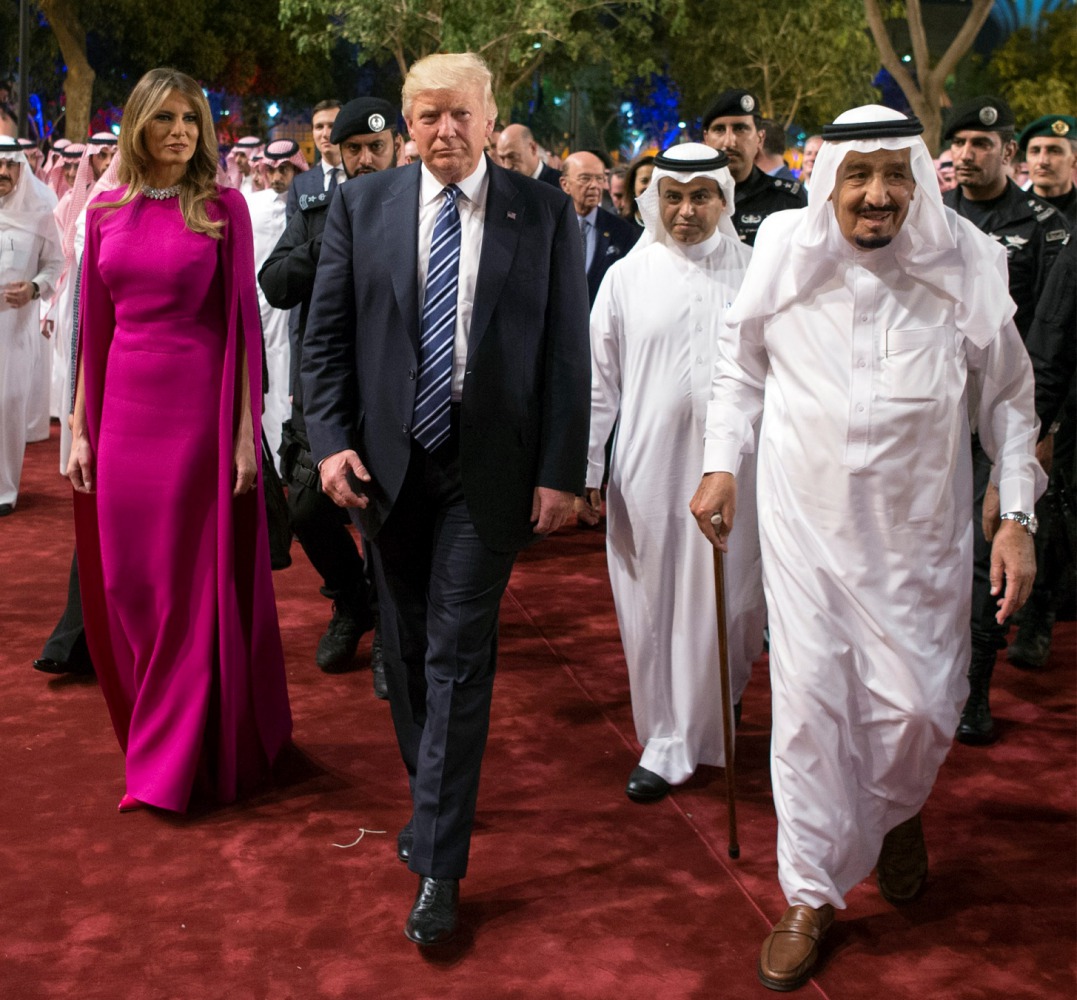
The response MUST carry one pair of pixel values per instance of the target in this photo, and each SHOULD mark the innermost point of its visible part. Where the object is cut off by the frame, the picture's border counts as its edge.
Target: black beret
(363, 116)
(732, 103)
(980, 114)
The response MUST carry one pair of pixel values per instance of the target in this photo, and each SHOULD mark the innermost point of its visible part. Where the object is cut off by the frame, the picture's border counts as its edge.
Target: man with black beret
(981, 136)
(732, 123)
(366, 136)
(1049, 144)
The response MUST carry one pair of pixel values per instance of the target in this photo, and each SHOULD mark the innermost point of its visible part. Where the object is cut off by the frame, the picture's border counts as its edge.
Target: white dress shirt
(471, 204)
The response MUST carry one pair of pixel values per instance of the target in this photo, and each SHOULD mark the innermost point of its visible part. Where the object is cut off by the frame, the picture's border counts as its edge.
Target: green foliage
(236, 45)
(805, 61)
(515, 37)
(1036, 71)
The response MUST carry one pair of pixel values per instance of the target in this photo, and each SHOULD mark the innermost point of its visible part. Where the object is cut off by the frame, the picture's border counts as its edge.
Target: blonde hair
(198, 185)
(449, 71)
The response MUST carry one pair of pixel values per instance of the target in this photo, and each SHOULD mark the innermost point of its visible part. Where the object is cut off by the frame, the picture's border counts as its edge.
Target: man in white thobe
(52, 351)
(30, 262)
(870, 326)
(238, 164)
(654, 339)
(282, 161)
(91, 165)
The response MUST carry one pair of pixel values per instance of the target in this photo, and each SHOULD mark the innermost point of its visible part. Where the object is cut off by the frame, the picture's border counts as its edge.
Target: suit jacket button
(411, 373)
(404, 429)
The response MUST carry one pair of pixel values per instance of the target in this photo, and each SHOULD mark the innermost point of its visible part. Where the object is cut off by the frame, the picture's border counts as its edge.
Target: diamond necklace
(160, 194)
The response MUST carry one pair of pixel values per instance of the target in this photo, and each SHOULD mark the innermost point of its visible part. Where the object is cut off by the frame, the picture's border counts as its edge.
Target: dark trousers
(987, 635)
(440, 589)
(322, 529)
(67, 644)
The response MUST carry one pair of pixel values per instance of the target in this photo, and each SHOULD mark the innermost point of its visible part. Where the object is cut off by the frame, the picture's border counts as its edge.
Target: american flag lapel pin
(511, 215)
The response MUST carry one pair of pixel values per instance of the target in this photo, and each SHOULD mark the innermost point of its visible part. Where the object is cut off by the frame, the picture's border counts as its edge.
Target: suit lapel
(501, 233)
(602, 245)
(399, 243)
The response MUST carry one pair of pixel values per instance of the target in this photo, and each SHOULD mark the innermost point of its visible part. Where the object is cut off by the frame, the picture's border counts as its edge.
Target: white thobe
(268, 223)
(39, 400)
(24, 256)
(864, 492)
(654, 339)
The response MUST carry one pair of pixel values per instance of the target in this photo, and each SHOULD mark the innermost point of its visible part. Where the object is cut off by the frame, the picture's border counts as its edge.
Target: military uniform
(759, 194)
(1059, 127)
(762, 195)
(287, 279)
(1032, 232)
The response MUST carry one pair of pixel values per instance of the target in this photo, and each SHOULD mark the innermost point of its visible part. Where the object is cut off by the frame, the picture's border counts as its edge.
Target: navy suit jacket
(308, 182)
(526, 397)
(615, 237)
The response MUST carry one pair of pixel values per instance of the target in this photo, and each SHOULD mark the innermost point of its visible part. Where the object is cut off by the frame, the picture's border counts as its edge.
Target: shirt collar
(591, 218)
(471, 187)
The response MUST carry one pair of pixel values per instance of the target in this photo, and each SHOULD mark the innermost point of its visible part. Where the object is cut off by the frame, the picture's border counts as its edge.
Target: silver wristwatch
(1027, 521)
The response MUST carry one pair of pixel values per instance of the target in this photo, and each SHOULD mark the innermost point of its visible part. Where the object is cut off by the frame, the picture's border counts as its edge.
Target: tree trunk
(927, 99)
(63, 18)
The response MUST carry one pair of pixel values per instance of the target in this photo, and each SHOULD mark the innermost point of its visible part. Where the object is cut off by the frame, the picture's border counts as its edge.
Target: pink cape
(176, 582)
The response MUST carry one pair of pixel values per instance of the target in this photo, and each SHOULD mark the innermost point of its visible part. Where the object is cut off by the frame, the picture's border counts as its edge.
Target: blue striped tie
(430, 424)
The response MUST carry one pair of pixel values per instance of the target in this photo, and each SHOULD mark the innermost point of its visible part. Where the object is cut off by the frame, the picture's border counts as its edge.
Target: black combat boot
(336, 649)
(977, 728)
(1031, 646)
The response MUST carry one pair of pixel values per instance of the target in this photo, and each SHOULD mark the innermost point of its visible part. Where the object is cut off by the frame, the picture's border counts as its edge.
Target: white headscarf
(30, 204)
(799, 249)
(647, 203)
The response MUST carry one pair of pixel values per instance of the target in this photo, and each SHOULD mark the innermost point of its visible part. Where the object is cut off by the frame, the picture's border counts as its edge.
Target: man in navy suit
(605, 236)
(328, 171)
(446, 379)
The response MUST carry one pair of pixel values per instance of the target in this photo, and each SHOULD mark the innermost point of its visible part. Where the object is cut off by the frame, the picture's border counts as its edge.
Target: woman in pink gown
(172, 544)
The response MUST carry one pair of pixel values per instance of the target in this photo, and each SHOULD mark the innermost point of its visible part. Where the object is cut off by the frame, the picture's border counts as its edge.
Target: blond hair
(198, 185)
(449, 71)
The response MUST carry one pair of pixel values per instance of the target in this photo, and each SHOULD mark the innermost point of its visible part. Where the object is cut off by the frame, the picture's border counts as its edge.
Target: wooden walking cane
(727, 696)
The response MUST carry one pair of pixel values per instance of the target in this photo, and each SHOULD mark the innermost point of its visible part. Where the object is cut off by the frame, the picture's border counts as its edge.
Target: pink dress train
(176, 584)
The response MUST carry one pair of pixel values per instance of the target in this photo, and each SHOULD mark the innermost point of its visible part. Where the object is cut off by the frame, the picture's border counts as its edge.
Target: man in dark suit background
(517, 150)
(328, 171)
(446, 378)
(605, 236)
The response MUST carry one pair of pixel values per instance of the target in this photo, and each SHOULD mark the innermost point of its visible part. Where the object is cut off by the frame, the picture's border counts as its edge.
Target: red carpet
(574, 891)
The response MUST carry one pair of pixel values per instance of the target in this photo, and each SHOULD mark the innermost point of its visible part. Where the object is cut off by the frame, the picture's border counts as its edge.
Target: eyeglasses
(590, 178)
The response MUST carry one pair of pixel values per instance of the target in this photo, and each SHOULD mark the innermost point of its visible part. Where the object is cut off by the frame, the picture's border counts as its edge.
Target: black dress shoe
(6, 508)
(50, 666)
(433, 915)
(646, 786)
(404, 839)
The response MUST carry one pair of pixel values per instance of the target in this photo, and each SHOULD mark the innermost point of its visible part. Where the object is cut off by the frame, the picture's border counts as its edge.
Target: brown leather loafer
(792, 948)
(902, 868)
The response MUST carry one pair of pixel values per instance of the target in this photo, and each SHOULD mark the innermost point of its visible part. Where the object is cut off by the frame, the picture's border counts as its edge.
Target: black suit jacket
(526, 397)
(550, 176)
(308, 182)
(615, 237)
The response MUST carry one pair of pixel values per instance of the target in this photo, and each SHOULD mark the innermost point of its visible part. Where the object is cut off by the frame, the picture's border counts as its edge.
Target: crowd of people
(855, 382)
